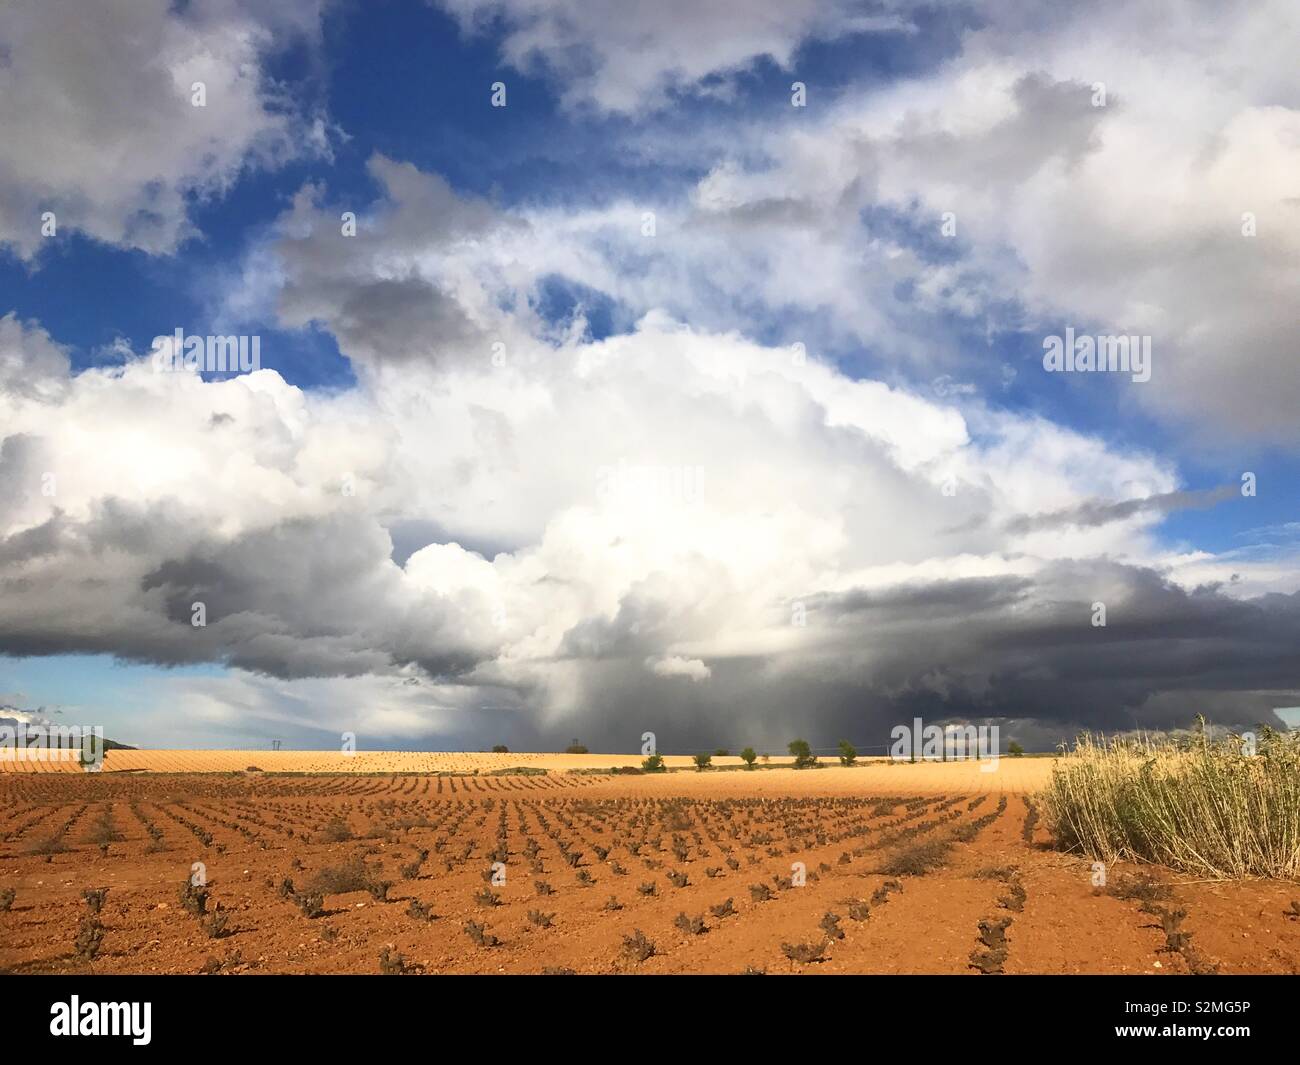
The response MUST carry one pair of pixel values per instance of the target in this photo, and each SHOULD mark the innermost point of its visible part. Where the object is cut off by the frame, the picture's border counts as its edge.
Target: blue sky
(776, 224)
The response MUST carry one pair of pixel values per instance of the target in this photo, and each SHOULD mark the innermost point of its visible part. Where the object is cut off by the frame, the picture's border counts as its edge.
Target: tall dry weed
(1205, 806)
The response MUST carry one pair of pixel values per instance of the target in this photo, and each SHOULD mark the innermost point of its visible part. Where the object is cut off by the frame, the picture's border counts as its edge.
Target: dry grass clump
(638, 947)
(90, 938)
(723, 909)
(47, 847)
(213, 965)
(216, 925)
(194, 899)
(1144, 887)
(335, 830)
(353, 875)
(993, 937)
(858, 910)
(480, 935)
(881, 894)
(692, 926)
(1031, 822)
(103, 832)
(1204, 807)
(312, 903)
(996, 872)
(918, 859)
(418, 911)
(391, 963)
(805, 953)
(1014, 899)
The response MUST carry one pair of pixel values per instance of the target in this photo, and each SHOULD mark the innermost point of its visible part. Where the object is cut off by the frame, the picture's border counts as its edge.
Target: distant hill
(13, 717)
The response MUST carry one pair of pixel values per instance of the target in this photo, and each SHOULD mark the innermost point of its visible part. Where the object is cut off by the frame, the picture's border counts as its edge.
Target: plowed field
(917, 867)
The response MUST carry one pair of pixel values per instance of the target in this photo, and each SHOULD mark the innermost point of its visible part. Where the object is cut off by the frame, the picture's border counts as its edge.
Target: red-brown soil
(846, 826)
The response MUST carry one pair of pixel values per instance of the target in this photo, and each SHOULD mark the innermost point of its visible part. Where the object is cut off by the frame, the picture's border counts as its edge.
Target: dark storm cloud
(304, 598)
(320, 595)
(309, 598)
(1001, 649)
(926, 602)
(322, 598)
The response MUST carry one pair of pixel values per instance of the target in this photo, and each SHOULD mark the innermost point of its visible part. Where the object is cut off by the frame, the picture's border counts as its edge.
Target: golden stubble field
(156, 761)
(1009, 774)
(883, 868)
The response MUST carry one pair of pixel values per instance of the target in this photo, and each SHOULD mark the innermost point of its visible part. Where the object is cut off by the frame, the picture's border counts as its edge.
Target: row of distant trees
(574, 748)
(800, 751)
